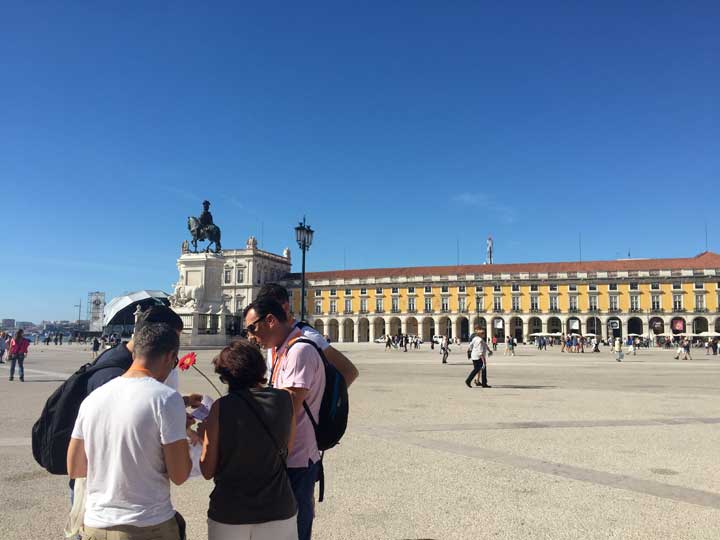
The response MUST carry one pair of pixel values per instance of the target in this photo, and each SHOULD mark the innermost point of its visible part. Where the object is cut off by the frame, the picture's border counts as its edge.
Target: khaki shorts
(168, 530)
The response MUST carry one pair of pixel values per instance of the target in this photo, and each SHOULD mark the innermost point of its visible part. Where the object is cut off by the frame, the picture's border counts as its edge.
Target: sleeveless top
(251, 482)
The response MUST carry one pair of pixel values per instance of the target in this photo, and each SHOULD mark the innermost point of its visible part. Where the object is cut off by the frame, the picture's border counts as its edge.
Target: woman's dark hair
(240, 365)
(18, 335)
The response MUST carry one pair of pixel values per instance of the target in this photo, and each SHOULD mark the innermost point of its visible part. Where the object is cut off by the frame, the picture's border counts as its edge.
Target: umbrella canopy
(115, 307)
(590, 334)
(635, 335)
(708, 334)
(555, 334)
(537, 334)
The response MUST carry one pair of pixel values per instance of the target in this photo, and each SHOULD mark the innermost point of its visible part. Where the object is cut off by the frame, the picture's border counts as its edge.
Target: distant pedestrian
(618, 349)
(444, 348)
(18, 351)
(95, 347)
(494, 343)
(2, 347)
(479, 352)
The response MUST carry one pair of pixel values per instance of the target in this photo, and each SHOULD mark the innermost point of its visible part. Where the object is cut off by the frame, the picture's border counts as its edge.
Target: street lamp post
(304, 237)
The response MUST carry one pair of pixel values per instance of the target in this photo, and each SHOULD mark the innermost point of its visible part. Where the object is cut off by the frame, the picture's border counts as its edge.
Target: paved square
(564, 446)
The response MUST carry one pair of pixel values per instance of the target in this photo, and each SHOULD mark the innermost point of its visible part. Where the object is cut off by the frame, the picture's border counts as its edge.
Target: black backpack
(51, 433)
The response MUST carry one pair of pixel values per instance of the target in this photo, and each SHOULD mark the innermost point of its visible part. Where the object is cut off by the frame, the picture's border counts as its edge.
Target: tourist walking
(478, 354)
(247, 436)
(444, 348)
(95, 347)
(129, 442)
(3, 347)
(618, 349)
(16, 353)
(494, 343)
(298, 369)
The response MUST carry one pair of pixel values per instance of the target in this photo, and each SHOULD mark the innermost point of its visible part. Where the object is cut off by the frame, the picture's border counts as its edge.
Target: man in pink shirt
(298, 369)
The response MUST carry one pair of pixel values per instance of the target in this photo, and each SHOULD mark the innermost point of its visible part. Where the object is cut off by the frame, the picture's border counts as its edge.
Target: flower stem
(208, 380)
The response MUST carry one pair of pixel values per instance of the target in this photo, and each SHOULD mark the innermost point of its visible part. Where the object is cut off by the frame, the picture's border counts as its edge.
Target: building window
(497, 288)
(394, 290)
(655, 286)
(634, 287)
(573, 303)
(379, 305)
(445, 304)
(612, 287)
(333, 306)
(516, 303)
(613, 303)
(699, 301)
(461, 288)
(592, 287)
(395, 305)
(348, 305)
(241, 275)
(497, 303)
(655, 302)
(428, 304)
(461, 304)
(553, 303)
(593, 303)
(553, 288)
(534, 303)
(363, 291)
(480, 303)
(318, 307)
(444, 288)
(363, 305)
(677, 286)
(428, 289)
(533, 288)
(348, 292)
(411, 304)
(318, 292)
(515, 287)
(378, 290)
(572, 287)
(333, 292)
(411, 290)
(228, 276)
(677, 302)
(699, 286)
(634, 302)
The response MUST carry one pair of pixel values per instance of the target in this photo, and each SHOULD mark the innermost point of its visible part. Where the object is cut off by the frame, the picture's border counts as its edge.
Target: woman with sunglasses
(246, 441)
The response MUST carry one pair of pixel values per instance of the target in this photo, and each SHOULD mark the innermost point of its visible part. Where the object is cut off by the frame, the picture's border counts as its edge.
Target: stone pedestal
(198, 300)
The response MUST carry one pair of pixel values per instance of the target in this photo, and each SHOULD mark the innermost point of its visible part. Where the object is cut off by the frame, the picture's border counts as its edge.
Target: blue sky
(399, 128)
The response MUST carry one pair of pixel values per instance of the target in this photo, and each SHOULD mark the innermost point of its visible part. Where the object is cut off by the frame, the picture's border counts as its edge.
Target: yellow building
(613, 298)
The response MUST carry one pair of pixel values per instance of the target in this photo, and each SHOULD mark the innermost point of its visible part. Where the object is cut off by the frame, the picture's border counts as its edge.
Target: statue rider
(206, 218)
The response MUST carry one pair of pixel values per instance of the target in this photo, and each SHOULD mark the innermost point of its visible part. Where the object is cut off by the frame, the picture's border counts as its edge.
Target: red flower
(187, 361)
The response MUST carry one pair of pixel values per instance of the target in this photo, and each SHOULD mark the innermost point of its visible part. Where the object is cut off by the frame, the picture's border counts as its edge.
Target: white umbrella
(634, 335)
(537, 334)
(555, 334)
(590, 334)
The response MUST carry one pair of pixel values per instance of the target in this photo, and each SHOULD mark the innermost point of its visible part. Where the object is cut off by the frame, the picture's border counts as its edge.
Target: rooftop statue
(203, 228)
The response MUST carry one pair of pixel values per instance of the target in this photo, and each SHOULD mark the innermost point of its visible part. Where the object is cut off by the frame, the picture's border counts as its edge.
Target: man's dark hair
(160, 314)
(240, 365)
(155, 340)
(264, 305)
(275, 291)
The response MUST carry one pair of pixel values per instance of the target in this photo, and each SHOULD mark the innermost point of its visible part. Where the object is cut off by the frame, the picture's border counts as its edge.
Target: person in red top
(18, 350)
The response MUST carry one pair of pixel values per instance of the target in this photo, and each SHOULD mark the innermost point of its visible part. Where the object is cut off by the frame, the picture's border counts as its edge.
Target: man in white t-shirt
(129, 441)
(341, 362)
(478, 354)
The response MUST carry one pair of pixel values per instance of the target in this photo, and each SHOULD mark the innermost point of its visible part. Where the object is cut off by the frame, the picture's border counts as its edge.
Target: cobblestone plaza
(564, 446)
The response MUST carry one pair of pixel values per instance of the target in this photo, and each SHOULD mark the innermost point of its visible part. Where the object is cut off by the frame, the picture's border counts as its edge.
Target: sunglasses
(252, 327)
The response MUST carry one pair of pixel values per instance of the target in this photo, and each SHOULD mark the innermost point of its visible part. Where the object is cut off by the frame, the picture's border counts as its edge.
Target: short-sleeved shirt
(478, 348)
(124, 425)
(300, 366)
(307, 332)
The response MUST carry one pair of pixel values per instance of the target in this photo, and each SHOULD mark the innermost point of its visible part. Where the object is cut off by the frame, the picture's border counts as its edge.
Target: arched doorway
(412, 326)
(635, 326)
(348, 330)
(333, 330)
(428, 329)
(395, 326)
(445, 327)
(379, 327)
(534, 326)
(614, 327)
(462, 328)
(657, 325)
(319, 325)
(677, 325)
(498, 328)
(516, 329)
(554, 325)
(700, 324)
(594, 326)
(363, 330)
(574, 326)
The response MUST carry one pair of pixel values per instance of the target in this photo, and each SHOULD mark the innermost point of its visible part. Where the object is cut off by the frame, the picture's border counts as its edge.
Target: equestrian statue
(203, 228)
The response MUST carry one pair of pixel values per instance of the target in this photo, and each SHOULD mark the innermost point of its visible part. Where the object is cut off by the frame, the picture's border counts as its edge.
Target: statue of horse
(211, 233)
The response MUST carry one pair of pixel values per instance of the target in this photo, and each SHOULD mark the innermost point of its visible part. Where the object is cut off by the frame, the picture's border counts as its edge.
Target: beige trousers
(165, 531)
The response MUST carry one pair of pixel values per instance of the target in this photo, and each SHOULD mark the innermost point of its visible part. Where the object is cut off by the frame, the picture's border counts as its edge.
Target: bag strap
(260, 415)
(324, 361)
